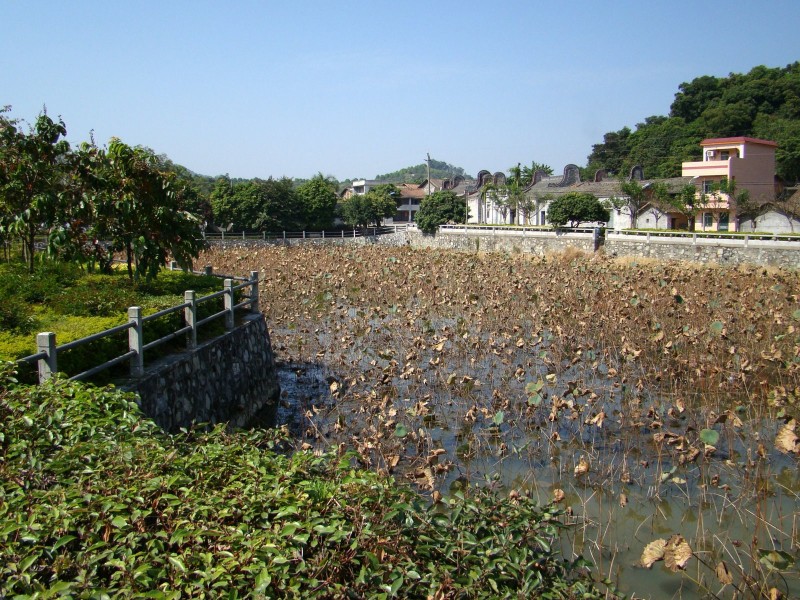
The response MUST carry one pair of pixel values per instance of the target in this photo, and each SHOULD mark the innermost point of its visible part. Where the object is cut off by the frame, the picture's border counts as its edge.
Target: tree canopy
(121, 195)
(418, 173)
(363, 210)
(439, 208)
(576, 208)
(764, 103)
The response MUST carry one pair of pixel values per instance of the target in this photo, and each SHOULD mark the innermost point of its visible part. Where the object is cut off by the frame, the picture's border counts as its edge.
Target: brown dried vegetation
(577, 373)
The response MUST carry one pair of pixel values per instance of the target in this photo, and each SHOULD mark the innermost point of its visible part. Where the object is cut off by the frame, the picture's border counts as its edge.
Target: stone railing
(46, 357)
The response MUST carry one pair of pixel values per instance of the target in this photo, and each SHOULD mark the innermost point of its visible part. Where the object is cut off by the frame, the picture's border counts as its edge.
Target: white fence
(766, 240)
(305, 235)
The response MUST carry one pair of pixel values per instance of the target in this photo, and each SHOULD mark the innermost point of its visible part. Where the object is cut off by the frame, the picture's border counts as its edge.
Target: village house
(746, 163)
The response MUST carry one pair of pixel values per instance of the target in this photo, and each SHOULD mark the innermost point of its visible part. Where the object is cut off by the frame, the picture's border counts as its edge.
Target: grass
(73, 304)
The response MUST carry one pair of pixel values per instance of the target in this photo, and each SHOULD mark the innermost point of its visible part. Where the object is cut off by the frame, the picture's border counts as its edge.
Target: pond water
(448, 409)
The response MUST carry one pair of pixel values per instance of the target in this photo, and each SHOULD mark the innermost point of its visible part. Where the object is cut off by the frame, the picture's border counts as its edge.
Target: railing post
(264, 235)
(243, 235)
(342, 233)
(304, 235)
(190, 316)
(354, 233)
(136, 341)
(229, 304)
(323, 234)
(208, 270)
(46, 342)
(254, 291)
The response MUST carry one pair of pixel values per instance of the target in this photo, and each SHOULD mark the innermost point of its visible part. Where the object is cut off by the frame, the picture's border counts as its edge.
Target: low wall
(727, 251)
(731, 250)
(474, 240)
(231, 378)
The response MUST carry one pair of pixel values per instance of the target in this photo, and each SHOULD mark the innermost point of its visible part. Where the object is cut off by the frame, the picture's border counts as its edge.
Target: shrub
(98, 502)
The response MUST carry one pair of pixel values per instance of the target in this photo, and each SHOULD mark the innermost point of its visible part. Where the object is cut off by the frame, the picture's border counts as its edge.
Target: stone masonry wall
(530, 242)
(705, 250)
(231, 378)
(709, 251)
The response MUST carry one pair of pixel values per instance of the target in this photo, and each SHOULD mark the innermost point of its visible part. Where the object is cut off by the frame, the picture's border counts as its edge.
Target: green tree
(137, 210)
(634, 199)
(363, 210)
(439, 208)
(32, 174)
(317, 198)
(257, 205)
(576, 208)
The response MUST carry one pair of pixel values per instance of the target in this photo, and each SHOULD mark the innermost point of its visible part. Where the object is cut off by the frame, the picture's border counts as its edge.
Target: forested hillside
(418, 173)
(764, 103)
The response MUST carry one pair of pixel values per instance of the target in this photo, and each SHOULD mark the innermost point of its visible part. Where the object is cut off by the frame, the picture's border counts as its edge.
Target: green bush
(15, 315)
(98, 502)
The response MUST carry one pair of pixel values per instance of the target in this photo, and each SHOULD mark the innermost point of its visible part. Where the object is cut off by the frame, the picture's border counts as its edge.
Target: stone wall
(231, 378)
(487, 240)
(536, 242)
(731, 251)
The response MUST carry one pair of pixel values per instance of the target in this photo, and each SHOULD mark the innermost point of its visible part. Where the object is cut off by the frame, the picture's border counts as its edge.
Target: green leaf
(498, 418)
(119, 522)
(709, 436)
(400, 430)
(774, 559)
(66, 539)
(716, 327)
(177, 563)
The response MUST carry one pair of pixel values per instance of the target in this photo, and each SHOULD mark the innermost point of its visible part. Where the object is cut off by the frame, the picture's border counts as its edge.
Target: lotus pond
(656, 402)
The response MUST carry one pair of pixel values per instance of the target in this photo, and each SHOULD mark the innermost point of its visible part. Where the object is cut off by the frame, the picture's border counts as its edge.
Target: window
(724, 221)
(708, 220)
(544, 221)
(708, 186)
(724, 155)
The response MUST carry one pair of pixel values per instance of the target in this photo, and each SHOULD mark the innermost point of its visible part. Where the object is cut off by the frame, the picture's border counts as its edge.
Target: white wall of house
(771, 222)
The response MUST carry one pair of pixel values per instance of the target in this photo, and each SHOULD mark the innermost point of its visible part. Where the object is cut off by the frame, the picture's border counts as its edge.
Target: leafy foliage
(418, 173)
(576, 208)
(444, 206)
(764, 103)
(31, 177)
(318, 200)
(123, 195)
(98, 501)
(362, 210)
(257, 205)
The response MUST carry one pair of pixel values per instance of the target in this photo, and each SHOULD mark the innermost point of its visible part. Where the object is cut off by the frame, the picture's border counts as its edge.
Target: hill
(764, 103)
(418, 173)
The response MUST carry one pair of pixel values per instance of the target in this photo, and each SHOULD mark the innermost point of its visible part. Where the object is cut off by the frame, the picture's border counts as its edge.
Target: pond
(655, 403)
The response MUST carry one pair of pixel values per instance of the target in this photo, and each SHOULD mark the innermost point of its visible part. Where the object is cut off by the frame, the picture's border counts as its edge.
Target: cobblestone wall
(231, 379)
(716, 251)
(713, 251)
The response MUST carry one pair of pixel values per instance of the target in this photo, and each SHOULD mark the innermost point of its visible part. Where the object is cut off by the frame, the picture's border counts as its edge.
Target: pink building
(748, 163)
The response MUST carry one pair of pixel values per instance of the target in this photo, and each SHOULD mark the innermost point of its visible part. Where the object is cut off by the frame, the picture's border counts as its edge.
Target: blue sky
(354, 89)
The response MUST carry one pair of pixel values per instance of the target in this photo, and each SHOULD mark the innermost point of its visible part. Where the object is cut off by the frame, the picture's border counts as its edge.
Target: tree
(439, 208)
(356, 210)
(257, 205)
(576, 208)
(632, 202)
(362, 210)
(317, 198)
(31, 176)
(137, 210)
